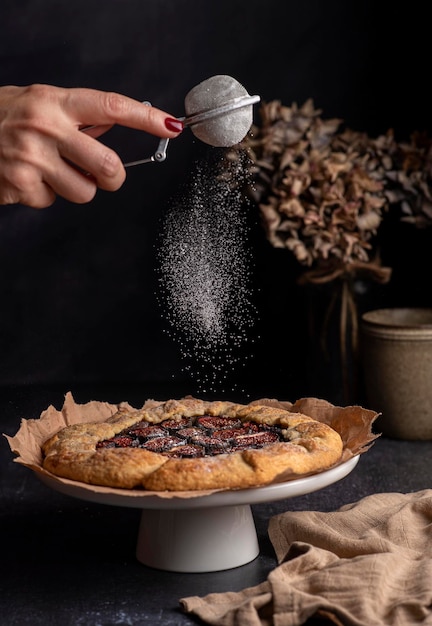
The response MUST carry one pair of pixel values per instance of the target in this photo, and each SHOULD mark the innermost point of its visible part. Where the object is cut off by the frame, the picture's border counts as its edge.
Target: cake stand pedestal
(191, 540)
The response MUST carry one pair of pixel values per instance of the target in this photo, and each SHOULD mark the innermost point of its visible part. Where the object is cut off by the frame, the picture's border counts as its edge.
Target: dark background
(77, 283)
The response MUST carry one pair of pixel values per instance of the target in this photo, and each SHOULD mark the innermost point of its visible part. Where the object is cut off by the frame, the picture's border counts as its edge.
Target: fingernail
(174, 125)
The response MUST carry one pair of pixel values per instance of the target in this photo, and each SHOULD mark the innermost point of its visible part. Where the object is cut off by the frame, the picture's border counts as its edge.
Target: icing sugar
(205, 272)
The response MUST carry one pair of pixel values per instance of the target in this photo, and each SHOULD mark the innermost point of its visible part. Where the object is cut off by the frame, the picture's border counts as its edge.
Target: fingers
(44, 152)
(40, 197)
(25, 185)
(89, 106)
(71, 184)
(96, 131)
(93, 158)
(26, 189)
(100, 110)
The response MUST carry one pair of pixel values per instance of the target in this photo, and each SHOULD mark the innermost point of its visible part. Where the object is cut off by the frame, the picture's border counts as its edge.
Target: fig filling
(195, 437)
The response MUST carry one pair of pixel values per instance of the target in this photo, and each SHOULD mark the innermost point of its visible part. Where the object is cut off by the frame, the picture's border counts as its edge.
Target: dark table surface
(72, 562)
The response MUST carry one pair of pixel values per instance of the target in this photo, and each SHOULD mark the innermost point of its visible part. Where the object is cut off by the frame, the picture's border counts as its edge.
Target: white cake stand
(204, 533)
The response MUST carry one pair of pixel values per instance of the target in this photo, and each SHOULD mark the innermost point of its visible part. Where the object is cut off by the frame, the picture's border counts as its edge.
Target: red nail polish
(174, 125)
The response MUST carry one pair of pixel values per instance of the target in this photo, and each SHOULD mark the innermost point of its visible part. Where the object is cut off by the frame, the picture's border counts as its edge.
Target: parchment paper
(353, 423)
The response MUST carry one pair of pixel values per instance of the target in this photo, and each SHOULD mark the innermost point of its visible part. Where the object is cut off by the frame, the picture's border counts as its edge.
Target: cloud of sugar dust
(205, 268)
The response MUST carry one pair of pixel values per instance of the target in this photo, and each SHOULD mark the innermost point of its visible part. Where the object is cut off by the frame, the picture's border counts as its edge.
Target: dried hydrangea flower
(323, 190)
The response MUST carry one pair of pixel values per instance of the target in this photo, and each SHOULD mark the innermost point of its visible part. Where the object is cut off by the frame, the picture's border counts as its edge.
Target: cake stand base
(208, 540)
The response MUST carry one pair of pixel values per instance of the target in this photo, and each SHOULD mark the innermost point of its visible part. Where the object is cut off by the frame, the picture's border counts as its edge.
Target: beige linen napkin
(367, 564)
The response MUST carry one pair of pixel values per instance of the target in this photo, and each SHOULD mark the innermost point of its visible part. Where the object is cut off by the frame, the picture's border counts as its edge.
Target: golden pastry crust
(307, 446)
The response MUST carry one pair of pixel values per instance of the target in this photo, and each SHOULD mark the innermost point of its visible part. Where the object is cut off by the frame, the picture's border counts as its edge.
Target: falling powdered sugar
(205, 272)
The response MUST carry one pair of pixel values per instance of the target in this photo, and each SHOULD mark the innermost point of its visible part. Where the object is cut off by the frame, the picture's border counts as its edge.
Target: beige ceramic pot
(396, 347)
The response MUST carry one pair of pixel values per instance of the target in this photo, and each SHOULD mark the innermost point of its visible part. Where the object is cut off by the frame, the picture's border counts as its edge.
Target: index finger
(93, 107)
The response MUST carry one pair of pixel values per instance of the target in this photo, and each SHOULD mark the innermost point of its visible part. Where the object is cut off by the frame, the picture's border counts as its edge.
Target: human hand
(43, 152)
